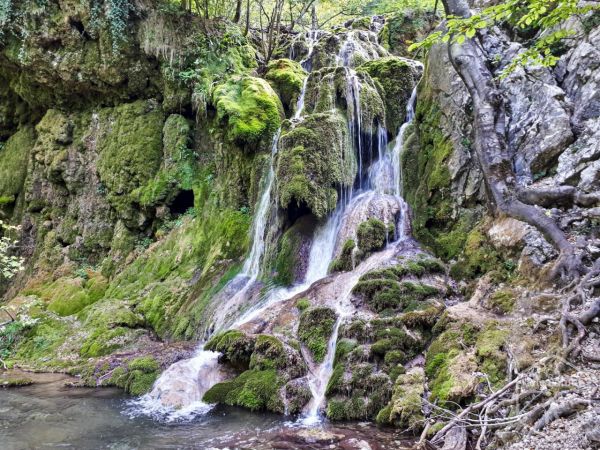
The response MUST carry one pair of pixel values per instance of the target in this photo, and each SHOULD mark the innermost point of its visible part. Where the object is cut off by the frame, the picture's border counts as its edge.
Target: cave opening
(182, 202)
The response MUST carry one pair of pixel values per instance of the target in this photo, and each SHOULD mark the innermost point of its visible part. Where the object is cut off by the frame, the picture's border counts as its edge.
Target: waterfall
(252, 264)
(178, 392)
(384, 178)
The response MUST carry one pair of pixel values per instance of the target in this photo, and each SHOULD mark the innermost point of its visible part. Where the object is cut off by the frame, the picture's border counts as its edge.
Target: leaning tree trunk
(470, 62)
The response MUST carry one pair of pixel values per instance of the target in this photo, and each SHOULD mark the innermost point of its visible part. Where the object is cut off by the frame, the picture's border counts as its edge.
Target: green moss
(269, 353)
(315, 159)
(394, 80)
(14, 158)
(314, 330)
(345, 261)
(437, 221)
(372, 235)
(287, 259)
(236, 347)
(503, 301)
(138, 377)
(490, 351)
(478, 257)
(303, 304)
(458, 354)
(287, 78)
(254, 389)
(386, 293)
(130, 152)
(250, 109)
(405, 409)
(67, 296)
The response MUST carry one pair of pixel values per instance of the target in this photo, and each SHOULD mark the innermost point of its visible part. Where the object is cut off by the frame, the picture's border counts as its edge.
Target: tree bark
(238, 12)
(470, 62)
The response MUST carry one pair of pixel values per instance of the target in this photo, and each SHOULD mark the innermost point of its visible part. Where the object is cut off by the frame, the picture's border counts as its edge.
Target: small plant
(10, 264)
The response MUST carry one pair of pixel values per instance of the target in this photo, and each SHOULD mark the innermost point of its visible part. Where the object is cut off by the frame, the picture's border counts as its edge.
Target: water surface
(49, 414)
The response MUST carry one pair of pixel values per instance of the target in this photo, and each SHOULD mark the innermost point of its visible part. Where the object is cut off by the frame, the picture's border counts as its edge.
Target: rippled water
(50, 415)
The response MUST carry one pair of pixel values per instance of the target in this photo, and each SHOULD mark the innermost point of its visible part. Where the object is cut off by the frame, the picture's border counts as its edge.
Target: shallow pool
(50, 415)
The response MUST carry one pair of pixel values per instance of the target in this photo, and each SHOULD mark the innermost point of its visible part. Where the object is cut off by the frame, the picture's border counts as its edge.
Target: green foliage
(10, 335)
(10, 264)
(545, 16)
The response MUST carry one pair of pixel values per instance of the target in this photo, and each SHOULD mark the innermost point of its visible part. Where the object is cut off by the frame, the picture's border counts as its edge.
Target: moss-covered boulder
(405, 408)
(372, 235)
(254, 389)
(356, 390)
(287, 78)
(457, 358)
(137, 376)
(395, 78)
(388, 294)
(315, 329)
(236, 348)
(315, 160)
(271, 353)
(250, 109)
(345, 261)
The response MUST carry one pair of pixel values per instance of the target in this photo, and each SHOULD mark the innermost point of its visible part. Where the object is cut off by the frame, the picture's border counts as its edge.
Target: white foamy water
(177, 394)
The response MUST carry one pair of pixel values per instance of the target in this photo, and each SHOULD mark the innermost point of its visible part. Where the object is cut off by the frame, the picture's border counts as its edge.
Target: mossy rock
(502, 301)
(405, 409)
(372, 235)
(137, 377)
(383, 294)
(130, 147)
(291, 261)
(14, 159)
(458, 354)
(287, 78)
(255, 390)
(315, 159)
(67, 296)
(345, 261)
(314, 330)
(395, 79)
(250, 109)
(236, 348)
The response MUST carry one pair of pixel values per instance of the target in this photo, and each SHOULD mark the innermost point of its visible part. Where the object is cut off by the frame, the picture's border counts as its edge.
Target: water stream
(380, 183)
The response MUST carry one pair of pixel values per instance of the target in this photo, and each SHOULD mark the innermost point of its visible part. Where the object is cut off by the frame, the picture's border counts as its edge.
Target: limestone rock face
(539, 128)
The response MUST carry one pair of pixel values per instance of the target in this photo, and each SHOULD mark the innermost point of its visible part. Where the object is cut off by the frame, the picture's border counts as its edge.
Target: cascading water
(384, 179)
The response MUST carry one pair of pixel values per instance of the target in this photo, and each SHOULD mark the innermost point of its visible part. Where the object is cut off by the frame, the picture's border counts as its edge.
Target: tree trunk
(247, 29)
(470, 62)
(238, 12)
